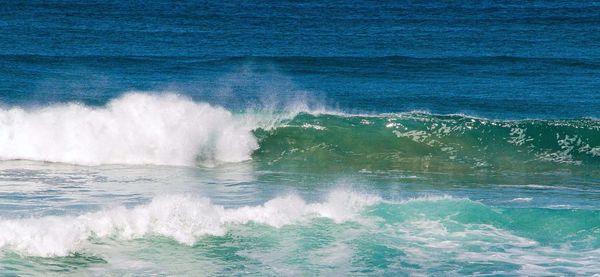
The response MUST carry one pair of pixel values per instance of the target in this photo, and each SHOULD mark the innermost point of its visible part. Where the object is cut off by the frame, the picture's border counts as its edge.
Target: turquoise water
(299, 138)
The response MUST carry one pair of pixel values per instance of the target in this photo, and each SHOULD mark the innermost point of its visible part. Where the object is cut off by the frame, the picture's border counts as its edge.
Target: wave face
(135, 129)
(430, 142)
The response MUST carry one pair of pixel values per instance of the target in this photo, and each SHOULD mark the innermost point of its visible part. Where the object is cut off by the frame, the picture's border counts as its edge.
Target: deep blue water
(495, 59)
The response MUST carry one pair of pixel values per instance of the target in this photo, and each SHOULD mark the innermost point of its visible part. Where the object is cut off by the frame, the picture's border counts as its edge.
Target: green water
(415, 141)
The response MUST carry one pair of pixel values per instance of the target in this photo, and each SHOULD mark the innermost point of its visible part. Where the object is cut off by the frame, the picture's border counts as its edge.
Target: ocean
(299, 138)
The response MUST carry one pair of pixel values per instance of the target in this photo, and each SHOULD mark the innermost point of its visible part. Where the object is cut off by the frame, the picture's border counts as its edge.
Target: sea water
(299, 138)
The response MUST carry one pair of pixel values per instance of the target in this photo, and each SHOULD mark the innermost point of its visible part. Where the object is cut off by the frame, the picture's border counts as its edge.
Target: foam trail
(183, 218)
(137, 128)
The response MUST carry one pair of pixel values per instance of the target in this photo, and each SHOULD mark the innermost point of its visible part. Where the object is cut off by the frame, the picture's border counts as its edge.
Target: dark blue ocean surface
(496, 59)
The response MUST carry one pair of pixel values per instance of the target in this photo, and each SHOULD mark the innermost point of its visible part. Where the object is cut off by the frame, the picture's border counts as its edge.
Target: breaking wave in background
(168, 129)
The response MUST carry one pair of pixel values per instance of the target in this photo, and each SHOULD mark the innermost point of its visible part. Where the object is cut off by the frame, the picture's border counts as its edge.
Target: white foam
(429, 242)
(136, 128)
(521, 199)
(430, 198)
(183, 218)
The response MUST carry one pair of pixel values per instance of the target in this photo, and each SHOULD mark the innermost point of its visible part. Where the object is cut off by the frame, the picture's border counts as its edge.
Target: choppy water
(299, 138)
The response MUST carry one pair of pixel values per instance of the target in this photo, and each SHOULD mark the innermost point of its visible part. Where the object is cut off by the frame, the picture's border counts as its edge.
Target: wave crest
(136, 128)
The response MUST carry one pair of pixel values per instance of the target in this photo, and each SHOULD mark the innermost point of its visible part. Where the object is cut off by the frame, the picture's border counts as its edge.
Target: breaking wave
(135, 129)
(183, 218)
(168, 129)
